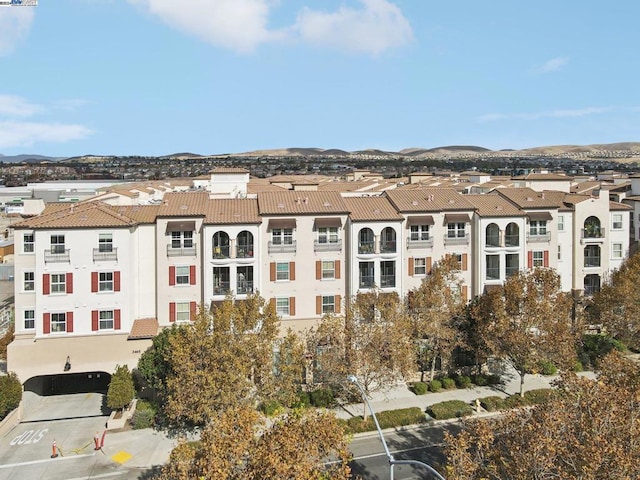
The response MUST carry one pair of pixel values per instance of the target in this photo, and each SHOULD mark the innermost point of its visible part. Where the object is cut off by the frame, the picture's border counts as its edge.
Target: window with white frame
(327, 234)
(29, 319)
(105, 242)
(456, 230)
(328, 269)
(182, 239)
(493, 267)
(538, 259)
(282, 271)
(58, 322)
(419, 266)
(105, 282)
(561, 223)
(105, 320)
(58, 283)
(182, 275)
(282, 305)
(57, 244)
(616, 221)
(559, 252)
(183, 311)
(418, 233)
(282, 236)
(328, 304)
(29, 281)
(616, 250)
(28, 243)
(537, 227)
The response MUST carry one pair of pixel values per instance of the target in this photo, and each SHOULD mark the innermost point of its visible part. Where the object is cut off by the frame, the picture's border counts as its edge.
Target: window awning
(281, 223)
(419, 220)
(457, 218)
(537, 216)
(184, 226)
(326, 222)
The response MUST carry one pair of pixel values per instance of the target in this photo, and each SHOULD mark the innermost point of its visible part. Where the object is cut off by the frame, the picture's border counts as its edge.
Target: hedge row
(449, 409)
(460, 381)
(531, 397)
(386, 419)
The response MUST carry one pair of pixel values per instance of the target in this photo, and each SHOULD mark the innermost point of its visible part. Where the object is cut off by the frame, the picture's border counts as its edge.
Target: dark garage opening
(69, 383)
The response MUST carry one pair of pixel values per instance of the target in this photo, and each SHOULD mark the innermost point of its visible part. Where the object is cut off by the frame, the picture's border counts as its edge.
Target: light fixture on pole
(392, 461)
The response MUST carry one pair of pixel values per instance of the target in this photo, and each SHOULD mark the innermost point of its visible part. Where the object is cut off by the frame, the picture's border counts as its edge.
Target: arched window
(592, 228)
(244, 245)
(365, 241)
(388, 240)
(492, 235)
(220, 245)
(512, 235)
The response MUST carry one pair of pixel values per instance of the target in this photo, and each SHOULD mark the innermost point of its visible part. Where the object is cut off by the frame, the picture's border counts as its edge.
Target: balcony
(538, 237)
(366, 281)
(592, 235)
(282, 247)
(327, 246)
(57, 255)
(245, 287)
(460, 239)
(388, 246)
(512, 241)
(592, 261)
(105, 255)
(221, 287)
(427, 243)
(387, 281)
(181, 251)
(244, 251)
(221, 251)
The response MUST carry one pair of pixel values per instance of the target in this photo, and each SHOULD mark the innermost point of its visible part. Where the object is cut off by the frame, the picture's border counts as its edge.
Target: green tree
(10, 393)
(5, 340)
(528, 321)
(121, 389)
(154, 366)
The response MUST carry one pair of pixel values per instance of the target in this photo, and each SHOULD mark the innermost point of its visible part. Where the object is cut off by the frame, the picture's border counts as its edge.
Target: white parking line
(104, 475)
(45, 460)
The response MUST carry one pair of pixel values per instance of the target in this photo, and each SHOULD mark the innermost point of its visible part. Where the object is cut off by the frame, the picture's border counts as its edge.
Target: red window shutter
(46, 284)
(529, 259)
(336, 266)
(465, 292)
(46, 323)
(272, 272)
(94, 320)
(272, 303)
(192, 275)
(117, 323)
(172, 312)
(116, 281)
(318, 270)
(338, 300)
(292, 270)
(464, 262)
(69, 283)
(69, 322)
(318, 304)
(411, 266)
(193, 307)
(545, 258)
(292, 306)
(172, 275)
(428, 263)
(94, 281)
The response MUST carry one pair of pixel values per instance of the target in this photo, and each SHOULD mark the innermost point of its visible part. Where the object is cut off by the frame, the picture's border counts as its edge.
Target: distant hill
(27, 157)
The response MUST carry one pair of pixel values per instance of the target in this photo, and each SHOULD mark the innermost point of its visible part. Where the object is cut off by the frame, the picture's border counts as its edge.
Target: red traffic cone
(96, 441)
(54, 449)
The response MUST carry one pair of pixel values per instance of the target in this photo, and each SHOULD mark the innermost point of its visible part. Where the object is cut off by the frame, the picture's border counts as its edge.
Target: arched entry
(68, 383)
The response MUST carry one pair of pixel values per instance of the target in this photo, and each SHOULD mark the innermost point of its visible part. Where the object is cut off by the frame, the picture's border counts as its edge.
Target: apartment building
(95, 282)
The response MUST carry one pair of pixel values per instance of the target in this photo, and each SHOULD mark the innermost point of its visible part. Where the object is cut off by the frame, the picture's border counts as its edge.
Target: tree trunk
(433, 368)
(522, 374)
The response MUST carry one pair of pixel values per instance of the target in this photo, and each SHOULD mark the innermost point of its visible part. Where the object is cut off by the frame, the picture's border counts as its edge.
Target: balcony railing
(366, 247)
(511, 271)
(327, 246)
(181, 251)
(512, 240)
(105, 256)
(57, 255)
(493, 274)
(428, 243)
(244, 287)
(457, 240)
(592, 261)
(538, 237)
(282, 247)
(244, 251)
(366, 281)
(388, 246)
(387, 281)
(221, 251)
(591, 289)
(221, 288)
(592, 235)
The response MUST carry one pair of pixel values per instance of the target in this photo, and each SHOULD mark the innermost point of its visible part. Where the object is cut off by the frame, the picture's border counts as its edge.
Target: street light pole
(392, 461)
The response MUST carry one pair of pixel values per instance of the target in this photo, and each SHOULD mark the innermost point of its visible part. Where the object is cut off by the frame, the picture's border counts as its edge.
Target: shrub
(514, 401)
(10, 393)
(449, 409)
(142, 419)
(448, 383)
(537, 396)
(463, 381)
(494, 379)
(480, 380)
(322, 397)
(121, 389)
(419, 388)
(270, 407)
(596, 346)
(578, 366)
(304, 400)
(386, 419)
(435, 386)
(548, 368)
(492, 404)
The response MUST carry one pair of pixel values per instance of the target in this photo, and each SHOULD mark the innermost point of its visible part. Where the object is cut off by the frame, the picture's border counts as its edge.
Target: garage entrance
(67, 383)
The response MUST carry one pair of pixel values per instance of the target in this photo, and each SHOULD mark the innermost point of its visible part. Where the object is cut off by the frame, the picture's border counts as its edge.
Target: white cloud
(243, 25)
(25, 134)
(374, 28)
(580, 112)
(15, 24)
(14, 106)
(551, 65)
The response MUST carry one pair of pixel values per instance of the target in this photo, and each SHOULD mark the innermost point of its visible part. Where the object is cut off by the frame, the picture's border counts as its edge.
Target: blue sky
(155, 77)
